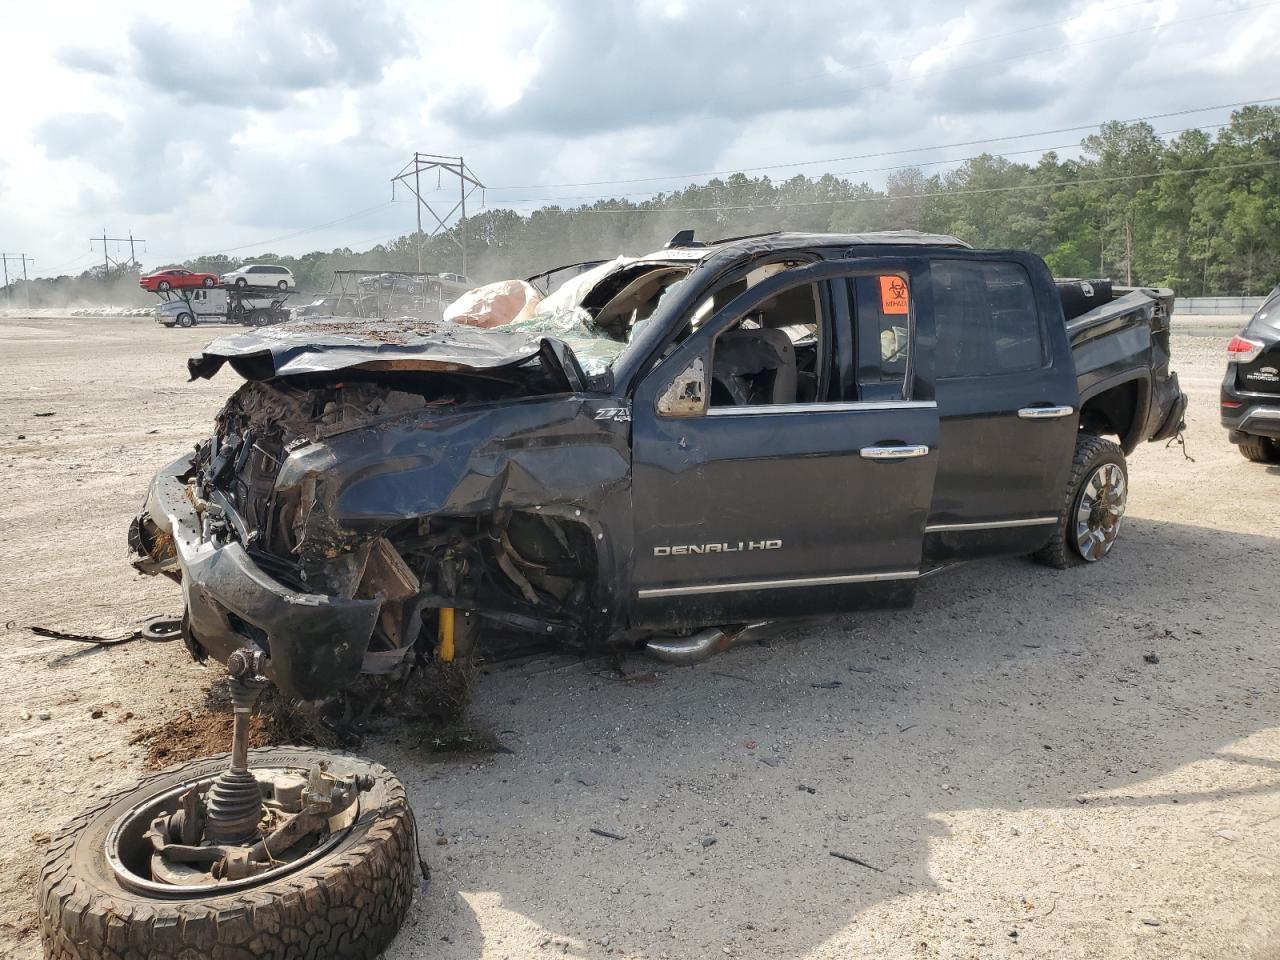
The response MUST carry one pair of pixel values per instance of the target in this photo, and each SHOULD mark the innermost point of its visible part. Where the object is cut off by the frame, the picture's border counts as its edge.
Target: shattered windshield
(595, 349)
(597, 313)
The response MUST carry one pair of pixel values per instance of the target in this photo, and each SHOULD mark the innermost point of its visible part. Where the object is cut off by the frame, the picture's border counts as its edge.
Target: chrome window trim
(776, 584)
(989, 524)
(849, 406)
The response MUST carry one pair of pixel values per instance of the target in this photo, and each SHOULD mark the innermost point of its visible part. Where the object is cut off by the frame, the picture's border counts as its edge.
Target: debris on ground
(161, 629)
(852, 859)
(608, 835)
(1151, 657)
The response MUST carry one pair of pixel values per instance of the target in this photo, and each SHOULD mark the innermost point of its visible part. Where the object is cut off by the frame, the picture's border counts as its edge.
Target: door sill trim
(727, 587)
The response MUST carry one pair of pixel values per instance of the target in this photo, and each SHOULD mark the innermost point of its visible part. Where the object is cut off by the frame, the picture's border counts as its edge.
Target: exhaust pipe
(702, 645)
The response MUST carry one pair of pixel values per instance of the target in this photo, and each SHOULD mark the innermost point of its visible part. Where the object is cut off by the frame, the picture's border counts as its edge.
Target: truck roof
(684, 245)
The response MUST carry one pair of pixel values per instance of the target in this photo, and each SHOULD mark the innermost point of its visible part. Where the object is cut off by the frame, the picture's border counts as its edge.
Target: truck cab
(828, 435)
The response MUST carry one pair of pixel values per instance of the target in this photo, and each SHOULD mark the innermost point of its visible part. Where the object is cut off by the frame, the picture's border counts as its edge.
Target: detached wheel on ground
(1092, 508)
(105, 891)
(1260, 449)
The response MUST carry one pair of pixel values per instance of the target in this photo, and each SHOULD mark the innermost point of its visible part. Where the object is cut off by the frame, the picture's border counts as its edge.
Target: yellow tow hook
(445, 649)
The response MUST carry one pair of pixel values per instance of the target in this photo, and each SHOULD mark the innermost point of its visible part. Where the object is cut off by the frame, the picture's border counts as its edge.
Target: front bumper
(315, 644)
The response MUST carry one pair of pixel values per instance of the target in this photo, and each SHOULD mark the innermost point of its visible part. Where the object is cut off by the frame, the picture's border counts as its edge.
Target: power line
(891, 153)
(920, 196)
(849, 173)
(305, 230)
(52, 271)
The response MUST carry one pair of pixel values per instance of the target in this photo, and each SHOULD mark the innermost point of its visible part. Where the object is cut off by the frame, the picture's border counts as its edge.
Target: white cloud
(204, 133)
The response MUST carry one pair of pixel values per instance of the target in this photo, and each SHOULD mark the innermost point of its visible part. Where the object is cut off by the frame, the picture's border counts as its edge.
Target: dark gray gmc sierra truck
(673, 449)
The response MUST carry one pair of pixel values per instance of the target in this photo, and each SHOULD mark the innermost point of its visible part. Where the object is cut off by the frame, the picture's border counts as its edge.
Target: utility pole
(467, 185)
(106, 258)
(26, 285)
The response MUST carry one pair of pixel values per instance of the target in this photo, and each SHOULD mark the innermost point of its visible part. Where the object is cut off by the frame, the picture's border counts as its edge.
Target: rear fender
(1118, 405)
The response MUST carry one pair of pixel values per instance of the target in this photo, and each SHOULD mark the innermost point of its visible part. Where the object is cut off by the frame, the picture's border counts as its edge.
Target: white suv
(260, 275)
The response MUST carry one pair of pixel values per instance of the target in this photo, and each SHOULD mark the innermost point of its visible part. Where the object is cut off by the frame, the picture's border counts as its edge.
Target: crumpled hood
(329, 344)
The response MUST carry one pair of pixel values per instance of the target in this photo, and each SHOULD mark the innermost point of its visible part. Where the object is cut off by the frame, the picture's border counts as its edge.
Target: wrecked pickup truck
(670, 449)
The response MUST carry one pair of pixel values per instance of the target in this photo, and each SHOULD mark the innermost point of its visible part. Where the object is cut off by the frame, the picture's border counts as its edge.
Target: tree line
(1199, 213)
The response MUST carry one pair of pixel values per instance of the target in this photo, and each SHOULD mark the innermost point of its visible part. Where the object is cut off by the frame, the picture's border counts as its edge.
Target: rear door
(782, 492)
(1007, 400)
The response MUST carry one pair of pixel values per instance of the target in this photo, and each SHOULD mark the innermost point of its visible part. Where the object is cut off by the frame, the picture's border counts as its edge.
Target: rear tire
(282, 285)
(208, 282)
(348, 904)
(1260, 449)
(1095, 463)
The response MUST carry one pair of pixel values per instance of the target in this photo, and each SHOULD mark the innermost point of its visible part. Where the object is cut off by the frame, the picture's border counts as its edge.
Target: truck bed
(1120, 335)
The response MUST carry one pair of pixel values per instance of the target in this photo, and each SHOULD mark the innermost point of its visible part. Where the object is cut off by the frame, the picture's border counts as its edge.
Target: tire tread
(347, 906)
(1090, 451)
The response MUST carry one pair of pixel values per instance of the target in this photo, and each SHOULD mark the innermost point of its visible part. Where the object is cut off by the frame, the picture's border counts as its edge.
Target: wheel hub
(238, 828)
(1100, 510)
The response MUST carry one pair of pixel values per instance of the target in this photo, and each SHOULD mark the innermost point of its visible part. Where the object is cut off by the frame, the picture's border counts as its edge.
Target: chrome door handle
(894, 453)
(1045, 413)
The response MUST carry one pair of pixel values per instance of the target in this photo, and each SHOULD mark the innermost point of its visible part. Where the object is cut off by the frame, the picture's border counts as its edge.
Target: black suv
(1251, 389)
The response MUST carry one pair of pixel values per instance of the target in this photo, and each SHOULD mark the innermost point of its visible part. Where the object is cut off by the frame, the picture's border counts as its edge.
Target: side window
(771, 355)
(774, 354)
(986, 319)
(882, 317)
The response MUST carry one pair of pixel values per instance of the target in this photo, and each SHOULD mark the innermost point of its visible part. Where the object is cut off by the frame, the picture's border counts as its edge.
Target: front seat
(753, 367)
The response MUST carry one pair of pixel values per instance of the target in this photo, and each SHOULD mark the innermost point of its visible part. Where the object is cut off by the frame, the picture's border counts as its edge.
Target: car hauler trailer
(223, 303)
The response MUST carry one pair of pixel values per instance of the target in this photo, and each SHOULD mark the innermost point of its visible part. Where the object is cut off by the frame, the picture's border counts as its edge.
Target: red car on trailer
(176, 279)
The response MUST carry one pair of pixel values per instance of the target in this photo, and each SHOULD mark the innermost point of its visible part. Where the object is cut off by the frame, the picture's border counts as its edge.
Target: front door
(763, 484)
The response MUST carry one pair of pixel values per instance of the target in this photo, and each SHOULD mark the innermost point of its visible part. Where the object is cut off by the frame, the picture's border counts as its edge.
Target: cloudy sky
(276, 126)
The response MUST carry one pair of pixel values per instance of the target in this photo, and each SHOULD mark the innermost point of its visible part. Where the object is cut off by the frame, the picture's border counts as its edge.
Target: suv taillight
(1243, 350)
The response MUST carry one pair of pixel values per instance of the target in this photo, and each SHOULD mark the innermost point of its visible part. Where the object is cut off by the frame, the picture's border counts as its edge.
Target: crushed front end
(357, 512)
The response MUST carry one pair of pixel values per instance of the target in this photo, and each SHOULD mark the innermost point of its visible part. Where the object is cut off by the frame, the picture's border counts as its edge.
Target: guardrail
(1217, 306)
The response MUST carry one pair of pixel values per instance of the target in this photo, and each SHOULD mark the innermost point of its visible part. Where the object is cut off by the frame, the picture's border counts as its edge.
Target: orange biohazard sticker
(893, 295)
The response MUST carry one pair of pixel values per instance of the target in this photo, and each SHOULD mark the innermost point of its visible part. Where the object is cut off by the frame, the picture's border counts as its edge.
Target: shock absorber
(234, 800)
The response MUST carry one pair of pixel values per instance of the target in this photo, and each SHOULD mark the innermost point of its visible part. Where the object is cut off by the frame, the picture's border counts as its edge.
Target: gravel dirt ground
(1015, 774)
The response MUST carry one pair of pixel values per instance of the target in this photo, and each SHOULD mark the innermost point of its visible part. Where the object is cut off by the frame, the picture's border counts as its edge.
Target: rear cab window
(986, 319)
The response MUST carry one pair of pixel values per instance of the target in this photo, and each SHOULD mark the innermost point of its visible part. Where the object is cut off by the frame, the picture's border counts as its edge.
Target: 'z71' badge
(616, 414)
(690, 549)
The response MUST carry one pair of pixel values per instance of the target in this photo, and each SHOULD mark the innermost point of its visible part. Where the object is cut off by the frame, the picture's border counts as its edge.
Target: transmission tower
(106, 258)
(26, 286)
(411, 176)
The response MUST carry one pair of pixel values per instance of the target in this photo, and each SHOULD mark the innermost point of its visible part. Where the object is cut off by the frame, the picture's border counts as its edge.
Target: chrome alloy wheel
(1099, 511)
